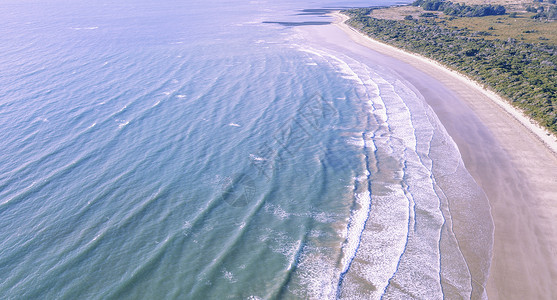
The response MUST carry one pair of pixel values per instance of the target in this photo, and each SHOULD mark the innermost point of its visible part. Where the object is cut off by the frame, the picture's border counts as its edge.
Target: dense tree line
(524, 73)
(460, 10)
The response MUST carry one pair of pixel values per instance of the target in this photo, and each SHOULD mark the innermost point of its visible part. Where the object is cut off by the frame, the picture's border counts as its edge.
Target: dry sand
(513, 160)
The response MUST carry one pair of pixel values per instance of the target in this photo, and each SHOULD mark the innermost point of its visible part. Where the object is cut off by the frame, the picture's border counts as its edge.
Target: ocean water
(176, 150)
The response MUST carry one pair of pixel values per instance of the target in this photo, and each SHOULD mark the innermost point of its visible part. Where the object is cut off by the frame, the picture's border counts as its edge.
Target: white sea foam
(316, 274)
(356, 141)
(356, 224)
(391, 216)
(123, 108)
(277, 211)
(386, 249)
(280, 243)
(229, 276)
(323, 217)
(123, 123)
(85, 28)
(40, 119)
(256, 158)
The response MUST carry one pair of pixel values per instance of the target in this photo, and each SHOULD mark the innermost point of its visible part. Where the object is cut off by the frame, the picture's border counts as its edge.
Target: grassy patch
(521, 28)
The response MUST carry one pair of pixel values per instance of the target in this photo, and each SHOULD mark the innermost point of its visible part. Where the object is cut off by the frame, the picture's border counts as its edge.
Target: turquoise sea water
(167, 149)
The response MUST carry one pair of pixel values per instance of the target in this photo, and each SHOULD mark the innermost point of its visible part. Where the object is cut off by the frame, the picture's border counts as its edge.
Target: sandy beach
(512, 159)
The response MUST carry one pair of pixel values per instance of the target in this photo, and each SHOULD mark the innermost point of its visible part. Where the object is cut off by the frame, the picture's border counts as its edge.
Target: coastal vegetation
(461, 10)
(513, 55)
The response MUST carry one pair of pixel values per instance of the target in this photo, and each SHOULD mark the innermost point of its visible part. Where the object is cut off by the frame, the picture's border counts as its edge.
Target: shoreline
(511, 157)
(543, 134)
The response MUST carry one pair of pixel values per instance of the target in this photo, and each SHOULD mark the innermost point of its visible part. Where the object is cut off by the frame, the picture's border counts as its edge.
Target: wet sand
(513, 160)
